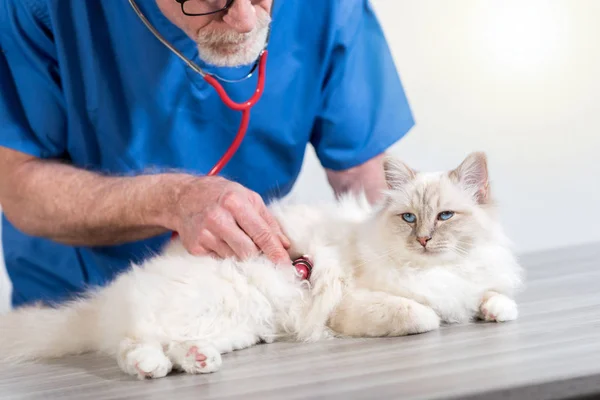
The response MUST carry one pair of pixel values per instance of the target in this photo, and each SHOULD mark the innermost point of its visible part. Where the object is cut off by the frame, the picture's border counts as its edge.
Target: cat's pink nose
(423, 240)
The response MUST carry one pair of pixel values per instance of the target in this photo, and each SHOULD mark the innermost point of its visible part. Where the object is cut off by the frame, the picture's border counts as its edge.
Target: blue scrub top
(86, 82)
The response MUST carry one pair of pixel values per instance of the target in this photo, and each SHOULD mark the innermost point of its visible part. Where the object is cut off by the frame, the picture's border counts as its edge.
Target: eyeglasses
(204, 7)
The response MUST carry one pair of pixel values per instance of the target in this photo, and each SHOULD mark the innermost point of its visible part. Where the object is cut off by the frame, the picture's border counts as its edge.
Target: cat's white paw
(146, 362)
(195, 358)
(421, 318)
(499, 308)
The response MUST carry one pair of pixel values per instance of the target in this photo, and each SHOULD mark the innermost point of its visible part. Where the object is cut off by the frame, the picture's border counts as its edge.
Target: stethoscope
(302, 264)
(213, 80)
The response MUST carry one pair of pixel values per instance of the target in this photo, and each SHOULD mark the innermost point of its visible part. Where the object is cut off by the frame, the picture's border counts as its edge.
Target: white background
(518, 79)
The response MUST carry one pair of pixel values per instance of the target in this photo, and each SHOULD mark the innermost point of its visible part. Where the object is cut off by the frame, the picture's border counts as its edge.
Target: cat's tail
(37, 332)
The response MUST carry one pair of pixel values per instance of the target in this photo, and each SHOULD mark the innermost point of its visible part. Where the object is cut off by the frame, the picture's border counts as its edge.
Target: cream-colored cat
(432, 251)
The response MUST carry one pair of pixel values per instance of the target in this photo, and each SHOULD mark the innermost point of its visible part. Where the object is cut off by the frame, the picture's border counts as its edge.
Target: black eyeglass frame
(224, 8)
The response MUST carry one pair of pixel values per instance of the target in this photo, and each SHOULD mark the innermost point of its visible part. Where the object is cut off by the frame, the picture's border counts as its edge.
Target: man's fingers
(241, 224)
(234, 237)
(195, 248)
(274, 225)
(215, 244)
(264, 213)
(223, 249)
(262, 235)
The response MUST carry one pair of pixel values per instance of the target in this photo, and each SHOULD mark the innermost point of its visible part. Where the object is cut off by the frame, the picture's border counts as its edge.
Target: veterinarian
(106, 135)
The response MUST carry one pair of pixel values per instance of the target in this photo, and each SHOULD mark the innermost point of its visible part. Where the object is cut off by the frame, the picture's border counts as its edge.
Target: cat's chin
(434, 255)
(430, 253)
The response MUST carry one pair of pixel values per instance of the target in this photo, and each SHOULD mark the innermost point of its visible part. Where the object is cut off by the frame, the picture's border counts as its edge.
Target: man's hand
(217, 216)
(73, 206)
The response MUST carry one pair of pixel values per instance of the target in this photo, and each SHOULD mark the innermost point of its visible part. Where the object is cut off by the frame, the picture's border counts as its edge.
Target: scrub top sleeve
(32, 113)
(364, 108)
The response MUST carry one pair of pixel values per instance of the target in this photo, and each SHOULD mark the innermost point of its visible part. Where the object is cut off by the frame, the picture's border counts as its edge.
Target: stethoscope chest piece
(304, 267)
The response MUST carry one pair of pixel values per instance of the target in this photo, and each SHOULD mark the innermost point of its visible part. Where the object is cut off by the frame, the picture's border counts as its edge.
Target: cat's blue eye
(408, 217)
(445, 215)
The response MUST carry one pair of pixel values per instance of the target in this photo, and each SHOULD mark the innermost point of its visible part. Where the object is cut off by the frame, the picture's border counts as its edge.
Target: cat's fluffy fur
(371, 277)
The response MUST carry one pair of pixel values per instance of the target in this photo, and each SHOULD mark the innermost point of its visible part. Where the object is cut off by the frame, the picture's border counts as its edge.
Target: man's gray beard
(213, 46)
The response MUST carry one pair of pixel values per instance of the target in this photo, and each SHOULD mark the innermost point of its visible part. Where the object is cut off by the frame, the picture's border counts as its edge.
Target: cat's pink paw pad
(201, 360)
(193, 351)
(499, 308)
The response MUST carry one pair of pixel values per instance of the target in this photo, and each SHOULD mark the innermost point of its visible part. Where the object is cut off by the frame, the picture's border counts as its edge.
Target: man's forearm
(368, 178)
(77, 207)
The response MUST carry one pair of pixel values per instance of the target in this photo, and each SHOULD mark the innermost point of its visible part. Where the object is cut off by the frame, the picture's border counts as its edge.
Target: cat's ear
(472, 175)
(397, 174)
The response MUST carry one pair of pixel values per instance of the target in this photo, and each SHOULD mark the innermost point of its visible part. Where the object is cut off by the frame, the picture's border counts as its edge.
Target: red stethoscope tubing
(244, 107)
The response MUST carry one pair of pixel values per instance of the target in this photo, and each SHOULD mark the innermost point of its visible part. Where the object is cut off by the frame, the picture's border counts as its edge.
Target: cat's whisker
(461, 241)
(465, 242)
(462, 244)
(460, 251)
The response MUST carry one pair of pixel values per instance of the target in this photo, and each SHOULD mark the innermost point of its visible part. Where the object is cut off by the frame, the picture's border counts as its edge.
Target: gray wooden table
(551, 352)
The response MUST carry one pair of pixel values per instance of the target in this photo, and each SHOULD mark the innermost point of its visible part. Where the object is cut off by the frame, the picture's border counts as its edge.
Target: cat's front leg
(365, 313)
(497, 307)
